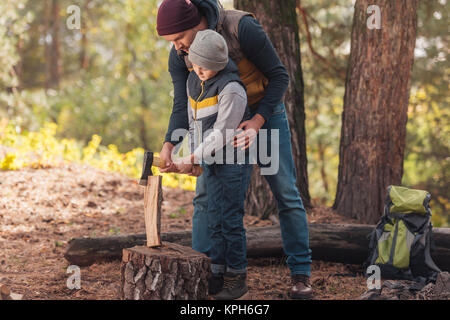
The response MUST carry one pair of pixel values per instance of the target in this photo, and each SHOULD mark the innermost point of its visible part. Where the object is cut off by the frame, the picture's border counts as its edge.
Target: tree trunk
(84, 58)
(18, 68)
(164, 273)
(52, 43)
(47, 32)
(375, 108)
(143, 130)
(279, 20)
(328, 242)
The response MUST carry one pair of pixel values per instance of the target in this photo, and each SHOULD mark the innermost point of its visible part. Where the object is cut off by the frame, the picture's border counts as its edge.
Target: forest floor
(41, 210)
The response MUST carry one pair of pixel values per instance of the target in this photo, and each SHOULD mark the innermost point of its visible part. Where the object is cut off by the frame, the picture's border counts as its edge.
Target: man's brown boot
(301, 287)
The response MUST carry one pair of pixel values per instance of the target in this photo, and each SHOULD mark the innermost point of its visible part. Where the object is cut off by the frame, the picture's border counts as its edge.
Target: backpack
(401, 242)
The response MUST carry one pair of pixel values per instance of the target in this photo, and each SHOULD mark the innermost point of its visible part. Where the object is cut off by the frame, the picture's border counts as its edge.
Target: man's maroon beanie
(176, 16)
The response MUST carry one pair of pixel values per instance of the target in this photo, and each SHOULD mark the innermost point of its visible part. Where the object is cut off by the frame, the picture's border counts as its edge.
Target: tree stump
(169, 272)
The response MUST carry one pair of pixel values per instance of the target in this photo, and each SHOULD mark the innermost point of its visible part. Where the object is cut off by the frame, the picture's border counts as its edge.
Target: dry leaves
(41, 210)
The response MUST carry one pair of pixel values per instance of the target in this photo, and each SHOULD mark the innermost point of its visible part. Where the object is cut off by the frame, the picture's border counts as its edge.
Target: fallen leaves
(91, 204)
(41, 210)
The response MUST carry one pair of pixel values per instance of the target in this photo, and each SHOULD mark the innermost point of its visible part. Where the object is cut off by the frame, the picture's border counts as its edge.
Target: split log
(153, 198)
(328, 242)
(168, 272)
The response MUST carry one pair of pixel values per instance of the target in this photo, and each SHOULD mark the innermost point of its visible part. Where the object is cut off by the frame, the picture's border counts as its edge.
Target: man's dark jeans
(291, 212)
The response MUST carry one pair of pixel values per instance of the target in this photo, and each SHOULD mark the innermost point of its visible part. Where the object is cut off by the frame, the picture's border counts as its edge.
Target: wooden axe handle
(157, 162)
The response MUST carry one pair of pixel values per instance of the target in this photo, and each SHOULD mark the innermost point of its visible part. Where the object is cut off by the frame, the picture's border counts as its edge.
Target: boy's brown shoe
(301, 287)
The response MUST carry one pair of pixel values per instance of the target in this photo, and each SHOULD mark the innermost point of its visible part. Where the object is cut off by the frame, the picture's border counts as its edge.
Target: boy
(217, 103)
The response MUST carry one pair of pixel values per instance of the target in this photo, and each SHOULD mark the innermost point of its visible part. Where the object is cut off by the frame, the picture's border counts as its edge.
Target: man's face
(182, 40)
(202, 73)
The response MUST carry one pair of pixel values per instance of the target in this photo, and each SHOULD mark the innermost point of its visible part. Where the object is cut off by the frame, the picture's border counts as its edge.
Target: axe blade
(146, 168)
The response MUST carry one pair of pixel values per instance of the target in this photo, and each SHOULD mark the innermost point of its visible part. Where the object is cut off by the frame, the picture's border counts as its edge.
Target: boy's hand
(196, 171)
(185, 168)
(185, 165)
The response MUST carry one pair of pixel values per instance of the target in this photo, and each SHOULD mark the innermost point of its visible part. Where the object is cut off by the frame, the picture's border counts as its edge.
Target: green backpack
(400, 244)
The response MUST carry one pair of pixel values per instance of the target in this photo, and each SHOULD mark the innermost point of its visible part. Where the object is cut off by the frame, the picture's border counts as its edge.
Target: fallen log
(86, 251)
(328, 242)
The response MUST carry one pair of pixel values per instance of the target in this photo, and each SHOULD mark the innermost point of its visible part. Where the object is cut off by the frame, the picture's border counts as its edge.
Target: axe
(149, 161)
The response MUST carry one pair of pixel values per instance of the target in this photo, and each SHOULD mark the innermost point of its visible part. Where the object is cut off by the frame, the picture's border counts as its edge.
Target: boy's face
(204, 74)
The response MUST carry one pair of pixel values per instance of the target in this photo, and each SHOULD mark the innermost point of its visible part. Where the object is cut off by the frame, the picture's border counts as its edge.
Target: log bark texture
(279, 21)
(373, 133)
(336, 243)
(169, 272)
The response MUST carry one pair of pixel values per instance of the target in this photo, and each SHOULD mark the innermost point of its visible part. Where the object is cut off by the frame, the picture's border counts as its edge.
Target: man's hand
(248, 136)
(196, 171)
(166, 156)
(185, 168)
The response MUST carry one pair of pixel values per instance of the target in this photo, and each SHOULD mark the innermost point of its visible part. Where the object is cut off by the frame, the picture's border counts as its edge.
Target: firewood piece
(152, 208)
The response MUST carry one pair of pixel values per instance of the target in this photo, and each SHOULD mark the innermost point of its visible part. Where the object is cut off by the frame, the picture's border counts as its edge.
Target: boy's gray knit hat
(209, 50)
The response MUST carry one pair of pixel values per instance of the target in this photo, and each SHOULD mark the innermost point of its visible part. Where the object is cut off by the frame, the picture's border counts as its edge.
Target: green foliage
(42, 149)
(427, 154)
(13, 27)
(112, 108)
(12, 30)
(124, 94)
(427, 160)
(325, 47)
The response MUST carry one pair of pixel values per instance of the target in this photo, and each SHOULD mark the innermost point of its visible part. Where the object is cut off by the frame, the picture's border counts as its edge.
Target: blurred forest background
(109, 79)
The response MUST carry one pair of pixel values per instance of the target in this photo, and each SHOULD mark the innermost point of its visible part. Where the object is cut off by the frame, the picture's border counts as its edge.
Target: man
(266, 81)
